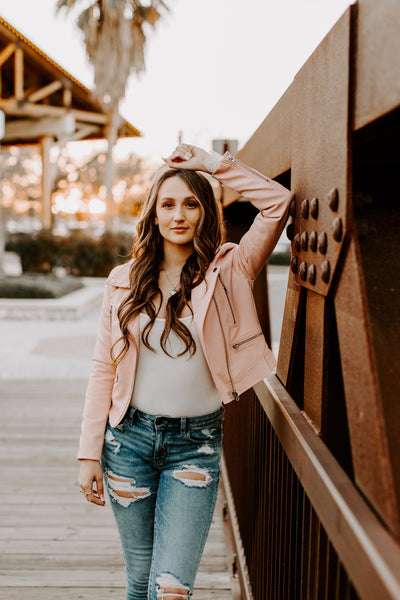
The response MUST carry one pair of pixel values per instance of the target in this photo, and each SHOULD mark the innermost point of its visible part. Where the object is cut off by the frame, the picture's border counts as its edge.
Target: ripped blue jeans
(162, 477)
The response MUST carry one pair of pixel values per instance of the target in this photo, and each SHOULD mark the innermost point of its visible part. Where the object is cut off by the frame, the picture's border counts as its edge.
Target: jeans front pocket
(205, 434)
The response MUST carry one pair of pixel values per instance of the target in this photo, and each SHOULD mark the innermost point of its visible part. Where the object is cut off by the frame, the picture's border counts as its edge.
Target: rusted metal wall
(335, 132)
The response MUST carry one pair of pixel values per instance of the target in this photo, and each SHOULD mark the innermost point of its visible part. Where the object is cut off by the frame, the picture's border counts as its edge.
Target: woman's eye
(192, 204)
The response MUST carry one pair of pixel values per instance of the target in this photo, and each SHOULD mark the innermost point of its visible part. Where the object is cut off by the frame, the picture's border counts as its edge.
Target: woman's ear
(155, 221)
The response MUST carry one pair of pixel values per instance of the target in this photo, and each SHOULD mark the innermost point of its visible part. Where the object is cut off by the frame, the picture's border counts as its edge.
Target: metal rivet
(312, 274)
(337, 227)
(296, 242)
(290, 231)
(304, 209)
(294, 264)
(314, 208)
(333, 199)
(313, 241)
(304, 240)
(303, 270)
(322, 242)
(292, 208)
(325, 271)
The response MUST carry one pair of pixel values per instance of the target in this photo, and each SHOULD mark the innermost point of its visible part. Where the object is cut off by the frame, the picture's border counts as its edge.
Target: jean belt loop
(183, 426)
(131, 414)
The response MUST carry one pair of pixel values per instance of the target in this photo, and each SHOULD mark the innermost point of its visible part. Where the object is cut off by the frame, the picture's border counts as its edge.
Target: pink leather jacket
(223, 307)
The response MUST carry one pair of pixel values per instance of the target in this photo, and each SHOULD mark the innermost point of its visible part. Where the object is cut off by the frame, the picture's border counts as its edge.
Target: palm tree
(114, 36)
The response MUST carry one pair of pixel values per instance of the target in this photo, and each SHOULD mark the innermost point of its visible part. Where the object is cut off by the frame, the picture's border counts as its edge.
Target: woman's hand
(89, 473)
(186, 156)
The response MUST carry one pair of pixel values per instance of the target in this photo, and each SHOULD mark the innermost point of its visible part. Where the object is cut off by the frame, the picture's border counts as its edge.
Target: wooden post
(45, 144)
(19, 74)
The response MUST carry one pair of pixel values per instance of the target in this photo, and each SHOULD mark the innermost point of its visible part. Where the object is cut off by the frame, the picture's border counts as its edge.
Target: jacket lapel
(202, 295)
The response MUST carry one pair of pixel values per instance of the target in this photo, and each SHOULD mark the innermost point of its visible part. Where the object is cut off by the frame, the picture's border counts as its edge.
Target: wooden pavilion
(42, 103)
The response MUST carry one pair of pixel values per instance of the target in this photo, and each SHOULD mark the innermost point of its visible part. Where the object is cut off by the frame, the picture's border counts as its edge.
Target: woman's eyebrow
(170, 198)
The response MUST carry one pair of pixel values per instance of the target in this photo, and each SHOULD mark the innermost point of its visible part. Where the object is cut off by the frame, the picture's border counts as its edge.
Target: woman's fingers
(186, 156)
(91, 482)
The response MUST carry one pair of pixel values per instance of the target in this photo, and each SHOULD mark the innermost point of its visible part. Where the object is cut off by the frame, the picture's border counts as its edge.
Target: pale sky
(214, 68)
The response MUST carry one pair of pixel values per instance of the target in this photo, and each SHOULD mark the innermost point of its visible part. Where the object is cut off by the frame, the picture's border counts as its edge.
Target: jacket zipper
(227, 297)
(253, 171)
(253, 337)
(234, 392)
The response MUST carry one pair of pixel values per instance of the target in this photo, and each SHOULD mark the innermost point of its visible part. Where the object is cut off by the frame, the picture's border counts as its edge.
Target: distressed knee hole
(109, 439)
(170, 587)
(123, 489)
(193, 476)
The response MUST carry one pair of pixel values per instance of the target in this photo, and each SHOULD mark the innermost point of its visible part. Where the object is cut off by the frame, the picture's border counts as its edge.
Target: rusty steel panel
(320, 160)
(376, 60)
(290, 330)
(315, 363)
(270, 148)
(373, 467)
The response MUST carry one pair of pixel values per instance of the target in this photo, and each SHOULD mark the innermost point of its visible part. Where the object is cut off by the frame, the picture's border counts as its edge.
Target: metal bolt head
(292, 208)
(290, 231)
(304, 209)
(322, 242)
(294, 264)
(333, 199)
(313, 241)
(314, 208)
(326, 271)
(303, 270)
(296, 242)
(312, 274)
(337, 227)
(304, 240)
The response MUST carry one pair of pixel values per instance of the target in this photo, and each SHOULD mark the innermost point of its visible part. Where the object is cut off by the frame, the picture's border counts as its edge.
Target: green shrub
(279, 258)
(78, 254)
(37, 286)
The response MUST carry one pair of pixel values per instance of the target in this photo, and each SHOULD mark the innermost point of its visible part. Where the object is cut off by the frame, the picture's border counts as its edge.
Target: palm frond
(67, 4)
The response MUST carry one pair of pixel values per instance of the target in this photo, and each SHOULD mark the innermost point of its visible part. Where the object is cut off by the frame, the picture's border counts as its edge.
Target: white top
(174, 387)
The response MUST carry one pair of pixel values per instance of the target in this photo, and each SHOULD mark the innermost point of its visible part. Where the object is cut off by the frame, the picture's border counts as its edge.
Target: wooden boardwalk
(54, 545)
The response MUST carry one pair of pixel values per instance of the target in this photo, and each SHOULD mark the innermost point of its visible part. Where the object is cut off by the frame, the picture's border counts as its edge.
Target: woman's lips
(179, 229)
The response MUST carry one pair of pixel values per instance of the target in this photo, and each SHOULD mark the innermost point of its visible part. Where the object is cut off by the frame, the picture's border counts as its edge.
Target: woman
(178, 338)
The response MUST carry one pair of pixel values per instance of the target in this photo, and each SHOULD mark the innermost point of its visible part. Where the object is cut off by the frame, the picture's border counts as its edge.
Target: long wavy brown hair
(148, 254)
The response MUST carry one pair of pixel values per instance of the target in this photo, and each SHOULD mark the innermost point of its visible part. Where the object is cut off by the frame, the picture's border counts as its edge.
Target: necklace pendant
(172, 292)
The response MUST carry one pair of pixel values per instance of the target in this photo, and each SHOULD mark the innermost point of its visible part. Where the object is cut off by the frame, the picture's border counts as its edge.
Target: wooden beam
(67, 97)
(28, 109)
(6, 53)
(84, 132)
(19, 74)
(47, 90)
(26, 129)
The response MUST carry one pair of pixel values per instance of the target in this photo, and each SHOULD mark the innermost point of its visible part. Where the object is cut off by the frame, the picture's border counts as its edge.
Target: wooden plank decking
(54, 545)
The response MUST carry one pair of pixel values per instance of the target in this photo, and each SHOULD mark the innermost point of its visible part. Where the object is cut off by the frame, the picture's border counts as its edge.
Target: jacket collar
(119, 277)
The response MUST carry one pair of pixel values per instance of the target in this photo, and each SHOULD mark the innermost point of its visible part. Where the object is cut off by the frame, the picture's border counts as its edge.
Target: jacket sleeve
(272, 200)
(99, 389)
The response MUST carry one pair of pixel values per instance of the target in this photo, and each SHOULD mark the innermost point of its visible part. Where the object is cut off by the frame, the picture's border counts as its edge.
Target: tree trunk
(109, 171)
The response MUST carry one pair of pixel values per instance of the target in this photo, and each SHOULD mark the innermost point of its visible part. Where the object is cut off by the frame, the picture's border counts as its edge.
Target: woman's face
(177, 212)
